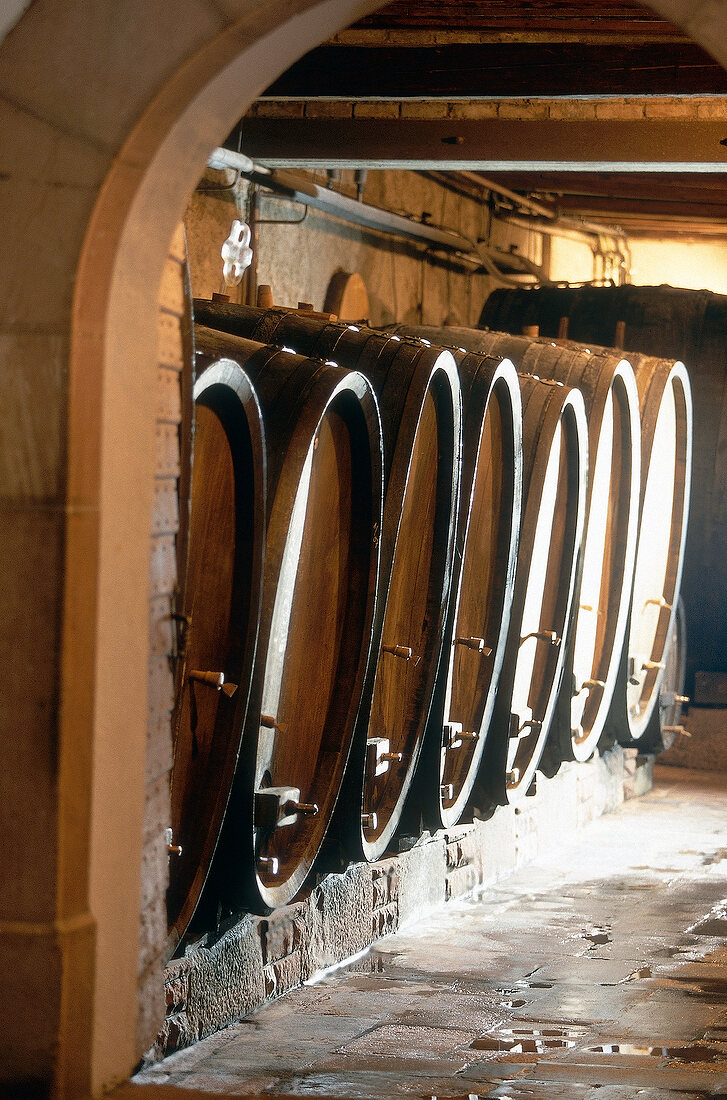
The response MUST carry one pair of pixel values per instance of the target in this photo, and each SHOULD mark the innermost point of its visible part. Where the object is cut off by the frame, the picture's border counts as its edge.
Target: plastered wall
(404, 283)
(697, 265)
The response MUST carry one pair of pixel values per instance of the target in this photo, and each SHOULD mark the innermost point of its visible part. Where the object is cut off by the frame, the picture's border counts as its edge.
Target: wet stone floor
(597, 973)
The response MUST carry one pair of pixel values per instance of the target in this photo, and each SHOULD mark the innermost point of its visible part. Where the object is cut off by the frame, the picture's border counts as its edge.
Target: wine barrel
(476, 631)
(323, 518)
(666, 448)
(593, 660)
(555, 456)
(677, 324)
(665, 409)
(223, 589)
(420, 401)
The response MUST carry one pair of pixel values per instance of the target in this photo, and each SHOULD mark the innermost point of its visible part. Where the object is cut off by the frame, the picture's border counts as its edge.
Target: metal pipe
(573, 228)
(299, 189)
(227, 158)
(331, 202)
(499, 189)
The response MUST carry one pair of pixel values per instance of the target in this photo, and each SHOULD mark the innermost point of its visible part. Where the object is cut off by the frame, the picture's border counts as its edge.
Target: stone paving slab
(599, 974)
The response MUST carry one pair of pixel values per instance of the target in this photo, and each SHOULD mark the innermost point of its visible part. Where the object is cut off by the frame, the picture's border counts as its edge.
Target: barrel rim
(677, 378)
(502, 376)
(329, 385)
(572, 416)
(435, 370)
(622, 386)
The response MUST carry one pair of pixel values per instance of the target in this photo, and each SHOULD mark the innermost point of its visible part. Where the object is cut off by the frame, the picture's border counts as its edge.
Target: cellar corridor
(597, 972)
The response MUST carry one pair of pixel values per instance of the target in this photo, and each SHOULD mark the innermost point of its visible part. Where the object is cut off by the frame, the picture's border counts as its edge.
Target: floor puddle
(694, 1053)
(522, 985)
(518, 1040)
(462, 1096)
(598, 936)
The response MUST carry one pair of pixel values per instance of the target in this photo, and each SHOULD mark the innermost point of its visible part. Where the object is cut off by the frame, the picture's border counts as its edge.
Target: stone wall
(222, 978)
(704, 747)
(405, 284)
(514, 107)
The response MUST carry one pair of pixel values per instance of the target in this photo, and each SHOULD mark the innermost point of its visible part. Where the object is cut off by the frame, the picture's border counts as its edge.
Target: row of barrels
(674, 322)
(402, 581)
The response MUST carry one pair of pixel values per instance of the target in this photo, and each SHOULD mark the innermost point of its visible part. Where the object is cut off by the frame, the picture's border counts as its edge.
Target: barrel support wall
(259, 959)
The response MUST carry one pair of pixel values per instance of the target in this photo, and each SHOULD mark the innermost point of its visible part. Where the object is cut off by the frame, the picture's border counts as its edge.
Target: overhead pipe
(299, 189)
(302, 190)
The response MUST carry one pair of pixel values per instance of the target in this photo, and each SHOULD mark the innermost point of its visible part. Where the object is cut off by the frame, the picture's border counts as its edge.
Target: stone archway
(107, 113)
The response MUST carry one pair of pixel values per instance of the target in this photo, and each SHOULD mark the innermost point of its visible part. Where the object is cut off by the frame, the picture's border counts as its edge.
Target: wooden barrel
(665, 410)
(677, 324)
(219, 618)
(420, 401)
(555, 456)
(323, 520)
(488, 530)
(666, 443)
(593, 660)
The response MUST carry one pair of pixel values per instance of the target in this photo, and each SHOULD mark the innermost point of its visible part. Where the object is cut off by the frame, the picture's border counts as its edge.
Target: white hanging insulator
(236, 253)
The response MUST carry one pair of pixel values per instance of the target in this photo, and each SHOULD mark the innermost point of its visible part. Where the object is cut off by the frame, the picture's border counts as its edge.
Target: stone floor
(598, 972)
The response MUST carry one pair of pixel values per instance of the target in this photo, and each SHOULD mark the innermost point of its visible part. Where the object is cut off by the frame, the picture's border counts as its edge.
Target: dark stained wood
(309, 753)
(666, 724)
(483, 145)
(401, 682)
(484, 590)
(608, 389)
(482, 70)
(221, 608)
(316, 620)
(628, 19)
(419, 398)
(668, 204)
(487, 534)
(191, 603)
(689, 325)
(597, 637)
(546, 583)
(666, 441)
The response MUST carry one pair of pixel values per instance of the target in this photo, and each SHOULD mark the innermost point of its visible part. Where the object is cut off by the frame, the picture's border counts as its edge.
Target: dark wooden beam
(685, 189)
(647, 205)
(579, 16)
(647, 145)
(492, 70)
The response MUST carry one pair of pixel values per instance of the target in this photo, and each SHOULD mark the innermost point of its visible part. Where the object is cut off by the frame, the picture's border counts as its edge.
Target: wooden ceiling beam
(710, 189)
(628, 206)
(579, 15)
(487, 145)
(434, 35)
(487, 70)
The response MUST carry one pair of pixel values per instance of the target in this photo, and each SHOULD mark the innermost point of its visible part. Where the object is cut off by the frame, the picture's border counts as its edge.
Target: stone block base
(706, 747)
(259, 959)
